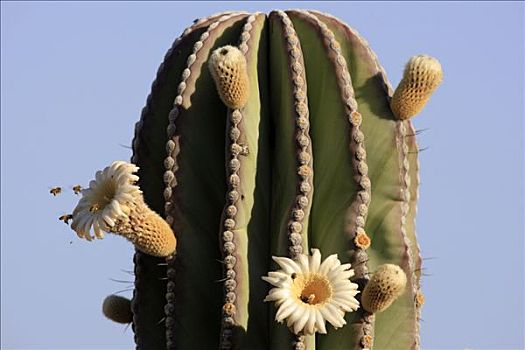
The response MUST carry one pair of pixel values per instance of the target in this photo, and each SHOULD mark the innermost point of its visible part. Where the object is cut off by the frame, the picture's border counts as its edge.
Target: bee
(66, 218)
(77, 189)
(95, 207)
(308, 299)
(55, 191)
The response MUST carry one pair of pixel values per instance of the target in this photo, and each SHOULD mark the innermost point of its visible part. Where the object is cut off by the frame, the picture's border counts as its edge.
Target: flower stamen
(313, 289)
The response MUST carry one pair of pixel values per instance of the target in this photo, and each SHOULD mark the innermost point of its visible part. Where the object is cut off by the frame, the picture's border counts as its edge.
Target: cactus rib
(145, 265)
(412, 177)
(299, 212)
(387, 86)
(413, 172)
(142, 149)
(405, 208)
(171, 166)
(359, 208)
(231, 238)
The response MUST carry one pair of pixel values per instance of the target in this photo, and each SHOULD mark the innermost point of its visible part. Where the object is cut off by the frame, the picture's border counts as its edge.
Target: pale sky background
(74, 77)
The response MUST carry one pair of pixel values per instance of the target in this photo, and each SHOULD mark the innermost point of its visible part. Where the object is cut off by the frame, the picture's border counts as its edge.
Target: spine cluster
(403, 126)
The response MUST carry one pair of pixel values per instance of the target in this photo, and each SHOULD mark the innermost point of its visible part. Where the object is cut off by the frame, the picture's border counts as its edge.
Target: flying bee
(55, 190)
(95, 207)
(66, 218)
(77, 189)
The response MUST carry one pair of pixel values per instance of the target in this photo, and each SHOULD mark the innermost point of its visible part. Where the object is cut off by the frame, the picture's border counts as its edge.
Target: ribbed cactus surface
(313, 157)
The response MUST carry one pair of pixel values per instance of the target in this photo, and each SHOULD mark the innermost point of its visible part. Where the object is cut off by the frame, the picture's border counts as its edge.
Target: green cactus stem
(270, 135)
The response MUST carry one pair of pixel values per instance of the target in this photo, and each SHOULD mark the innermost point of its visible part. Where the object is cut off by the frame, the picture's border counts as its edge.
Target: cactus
(267, 136)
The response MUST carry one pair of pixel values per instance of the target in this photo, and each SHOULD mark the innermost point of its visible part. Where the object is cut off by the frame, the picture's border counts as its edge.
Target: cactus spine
(268, 135)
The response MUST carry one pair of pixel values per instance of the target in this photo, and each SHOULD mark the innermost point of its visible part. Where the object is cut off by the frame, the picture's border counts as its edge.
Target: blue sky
(74, 77)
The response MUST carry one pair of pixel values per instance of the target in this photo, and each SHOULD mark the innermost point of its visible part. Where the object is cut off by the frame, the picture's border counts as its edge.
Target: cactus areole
(267, 137)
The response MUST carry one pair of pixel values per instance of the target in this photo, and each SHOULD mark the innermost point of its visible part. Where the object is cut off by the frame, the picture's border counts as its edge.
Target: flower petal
(319, 322)
(309, 328)
(109, 220)
(285, 310)
(288, 265)
(315, 260)
(333, 315)
(329, 263)
(98, 232)
(302, 261)
(302, 319)
(272, 280)
(347, 304)
(277, 294)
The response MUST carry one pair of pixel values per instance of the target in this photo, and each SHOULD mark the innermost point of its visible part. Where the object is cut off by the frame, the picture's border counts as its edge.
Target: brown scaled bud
(117, 309)
(228, 68)
(421, 78)
(385, 286)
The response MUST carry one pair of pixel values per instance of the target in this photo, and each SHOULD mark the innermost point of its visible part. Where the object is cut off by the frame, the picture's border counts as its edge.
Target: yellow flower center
(312, 288)
(104, 196)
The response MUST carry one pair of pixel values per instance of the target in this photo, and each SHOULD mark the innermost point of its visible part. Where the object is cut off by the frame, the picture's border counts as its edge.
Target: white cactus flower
(107, 199)
(309, 292)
